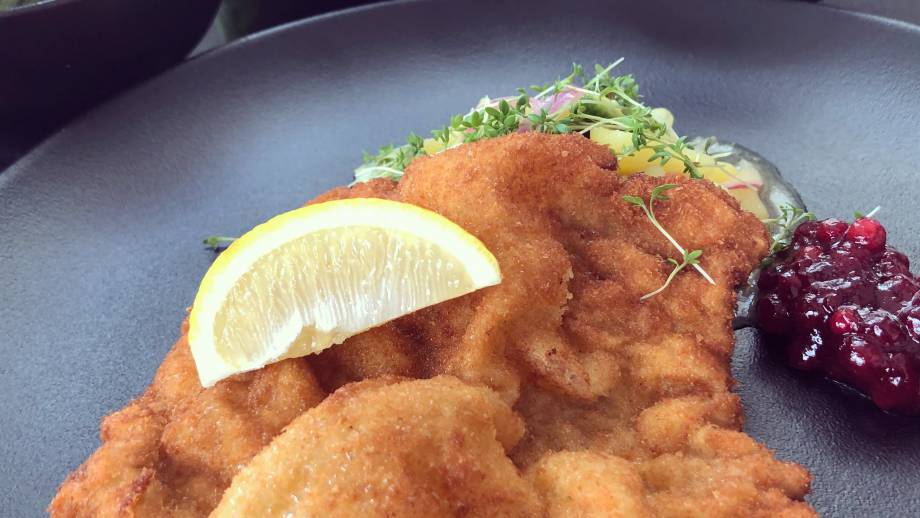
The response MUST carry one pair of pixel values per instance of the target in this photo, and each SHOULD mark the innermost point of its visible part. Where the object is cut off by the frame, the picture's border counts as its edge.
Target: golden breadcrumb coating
(626, 404)
(387, 447)
(174, 450)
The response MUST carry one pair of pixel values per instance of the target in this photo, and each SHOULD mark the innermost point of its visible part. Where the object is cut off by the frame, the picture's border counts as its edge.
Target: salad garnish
(571, 104)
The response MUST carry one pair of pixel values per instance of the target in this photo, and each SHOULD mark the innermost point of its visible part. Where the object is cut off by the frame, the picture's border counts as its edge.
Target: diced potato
(664, 116)
(701, 158)
(638, 162)
(655, 170)
(748, 173)
(718, 174)
(618, 141)
(456, 138)
(732, 177)
(432, 146)
(750, 201)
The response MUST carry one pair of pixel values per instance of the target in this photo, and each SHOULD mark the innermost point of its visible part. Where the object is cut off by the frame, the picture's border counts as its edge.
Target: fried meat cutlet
(174, 450)
(389, 447)
(636, 390)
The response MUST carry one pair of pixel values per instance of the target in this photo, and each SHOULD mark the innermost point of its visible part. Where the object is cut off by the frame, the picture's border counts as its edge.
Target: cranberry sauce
(847, 307)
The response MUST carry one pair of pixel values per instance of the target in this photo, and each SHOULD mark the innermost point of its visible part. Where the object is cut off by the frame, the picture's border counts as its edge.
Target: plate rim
(252, 39)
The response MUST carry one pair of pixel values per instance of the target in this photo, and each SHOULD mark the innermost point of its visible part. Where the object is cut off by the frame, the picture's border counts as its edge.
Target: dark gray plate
(100, 227)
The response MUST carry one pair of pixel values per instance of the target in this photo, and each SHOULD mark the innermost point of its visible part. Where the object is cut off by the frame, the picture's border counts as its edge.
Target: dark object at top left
(60, 56)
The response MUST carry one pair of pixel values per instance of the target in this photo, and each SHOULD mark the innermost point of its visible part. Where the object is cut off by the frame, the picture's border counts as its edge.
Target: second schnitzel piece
(389, 447)
(610, 387)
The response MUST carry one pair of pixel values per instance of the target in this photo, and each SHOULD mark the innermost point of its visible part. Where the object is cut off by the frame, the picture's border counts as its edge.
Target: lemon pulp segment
(310, 278)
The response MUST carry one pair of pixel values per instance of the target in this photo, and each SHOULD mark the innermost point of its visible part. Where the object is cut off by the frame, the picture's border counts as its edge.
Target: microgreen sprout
(690, 258)
(390, 161)
(870, 214)
(218, 242)
(789, 219)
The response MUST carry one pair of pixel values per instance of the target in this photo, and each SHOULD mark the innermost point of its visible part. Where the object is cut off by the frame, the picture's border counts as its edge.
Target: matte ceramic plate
(101, 226)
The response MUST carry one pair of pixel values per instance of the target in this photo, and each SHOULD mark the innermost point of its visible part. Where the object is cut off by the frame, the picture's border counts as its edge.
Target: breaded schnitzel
(385, 447)
(610, 388)
(174, 450)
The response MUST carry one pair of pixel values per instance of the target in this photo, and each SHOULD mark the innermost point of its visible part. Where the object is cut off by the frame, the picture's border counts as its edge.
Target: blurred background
(59, 58)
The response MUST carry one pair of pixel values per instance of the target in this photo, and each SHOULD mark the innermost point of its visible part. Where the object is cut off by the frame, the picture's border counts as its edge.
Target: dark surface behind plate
(100, 227)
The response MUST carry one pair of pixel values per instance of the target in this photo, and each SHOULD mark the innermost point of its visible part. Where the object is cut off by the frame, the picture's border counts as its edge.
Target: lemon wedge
(310, 278)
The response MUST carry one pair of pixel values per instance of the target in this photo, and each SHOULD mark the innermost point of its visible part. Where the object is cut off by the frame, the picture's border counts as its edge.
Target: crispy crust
(640, 389)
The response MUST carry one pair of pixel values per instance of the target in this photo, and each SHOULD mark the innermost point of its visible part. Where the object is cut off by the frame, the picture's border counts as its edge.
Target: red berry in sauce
(843, 321)
(867, 233)
(830, 230)
(847, 306)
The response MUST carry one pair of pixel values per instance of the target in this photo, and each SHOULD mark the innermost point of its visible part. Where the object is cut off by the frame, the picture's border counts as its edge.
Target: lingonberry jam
(846, 306)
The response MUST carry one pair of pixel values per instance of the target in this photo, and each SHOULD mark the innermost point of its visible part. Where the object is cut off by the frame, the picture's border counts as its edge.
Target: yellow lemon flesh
(310, 278)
